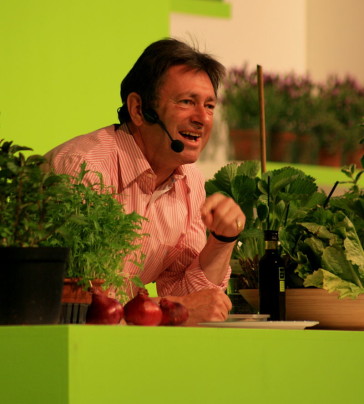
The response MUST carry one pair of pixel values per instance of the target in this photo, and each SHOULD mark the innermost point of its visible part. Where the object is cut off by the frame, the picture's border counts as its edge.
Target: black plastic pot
(31, 282)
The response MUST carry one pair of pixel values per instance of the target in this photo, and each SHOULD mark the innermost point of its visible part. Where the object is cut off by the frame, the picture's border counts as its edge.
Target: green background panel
(33, 365)
(179, 365)
(211, 8)
(62, 64)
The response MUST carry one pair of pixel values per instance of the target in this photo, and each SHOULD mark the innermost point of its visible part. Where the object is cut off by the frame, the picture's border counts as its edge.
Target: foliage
(343, 98)
(327, 128)
(296, 99)
(99, 233)
(29, 198)
(319, 234)
(327, 250)
(240, 102)
(40, 208)
(352, 201)
(289, 191)
(330, 111)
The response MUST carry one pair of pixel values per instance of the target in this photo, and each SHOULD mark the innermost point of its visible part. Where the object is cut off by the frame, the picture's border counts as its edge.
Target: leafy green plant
(29, 198)
(99, 233)
(327, 250)
(285, 192)
(41, 208)
(289, 192)
(352, 201)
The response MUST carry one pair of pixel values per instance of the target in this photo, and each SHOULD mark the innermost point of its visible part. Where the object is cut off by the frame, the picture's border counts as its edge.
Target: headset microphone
(152, 117)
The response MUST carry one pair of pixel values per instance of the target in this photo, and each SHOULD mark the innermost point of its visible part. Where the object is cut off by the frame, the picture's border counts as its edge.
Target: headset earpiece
(151, 116)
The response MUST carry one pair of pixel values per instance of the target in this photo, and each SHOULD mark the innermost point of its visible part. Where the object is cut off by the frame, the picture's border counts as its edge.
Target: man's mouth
(190, 135)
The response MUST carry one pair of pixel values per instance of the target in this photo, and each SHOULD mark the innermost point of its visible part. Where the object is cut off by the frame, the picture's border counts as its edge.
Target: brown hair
(147, 74)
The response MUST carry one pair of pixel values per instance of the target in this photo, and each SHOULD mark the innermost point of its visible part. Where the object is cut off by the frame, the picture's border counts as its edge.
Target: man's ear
(134, 103)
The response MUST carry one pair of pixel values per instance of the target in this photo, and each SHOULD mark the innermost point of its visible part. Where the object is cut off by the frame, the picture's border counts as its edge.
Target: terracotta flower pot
(331, 155)
(282, 146)
(355, 156)
(245, 143)
(306, 149)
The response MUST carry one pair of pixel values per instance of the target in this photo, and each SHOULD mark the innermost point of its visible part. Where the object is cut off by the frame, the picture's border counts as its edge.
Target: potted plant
(321, 241)
(288, 190)
(326, 247)
(269, 201)
(344, 98)
(291, 138)
(240, 109)
(329, 132)
(53, 226)
(100, 236)
(31, 271)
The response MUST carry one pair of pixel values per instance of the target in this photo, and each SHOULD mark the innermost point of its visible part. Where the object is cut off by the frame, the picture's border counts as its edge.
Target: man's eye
(187, 102)
(210, 106)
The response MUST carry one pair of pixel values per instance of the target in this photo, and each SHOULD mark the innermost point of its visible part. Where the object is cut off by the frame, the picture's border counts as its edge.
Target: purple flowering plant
(343, 99)
(330, 111)
(240, 100)
(288, 101)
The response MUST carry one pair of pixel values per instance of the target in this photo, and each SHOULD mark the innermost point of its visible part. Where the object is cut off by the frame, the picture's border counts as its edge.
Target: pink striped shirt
(177, 233)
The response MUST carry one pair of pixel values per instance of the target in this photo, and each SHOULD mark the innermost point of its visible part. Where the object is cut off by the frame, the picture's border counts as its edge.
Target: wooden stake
(263, 148)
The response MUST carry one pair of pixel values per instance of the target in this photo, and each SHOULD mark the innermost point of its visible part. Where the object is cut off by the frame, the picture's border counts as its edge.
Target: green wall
(62, 64)
(85, 364)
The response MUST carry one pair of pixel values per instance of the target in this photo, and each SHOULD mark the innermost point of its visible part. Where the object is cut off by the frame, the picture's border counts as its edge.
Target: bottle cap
(271, 235)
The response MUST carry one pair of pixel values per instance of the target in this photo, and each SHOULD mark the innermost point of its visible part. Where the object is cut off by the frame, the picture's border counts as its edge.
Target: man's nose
(200, 115)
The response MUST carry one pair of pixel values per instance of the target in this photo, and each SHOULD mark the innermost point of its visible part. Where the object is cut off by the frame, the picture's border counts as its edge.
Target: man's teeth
(190, 136)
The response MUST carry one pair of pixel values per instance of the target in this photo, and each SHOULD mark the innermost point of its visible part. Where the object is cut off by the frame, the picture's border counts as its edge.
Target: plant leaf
(332, 283)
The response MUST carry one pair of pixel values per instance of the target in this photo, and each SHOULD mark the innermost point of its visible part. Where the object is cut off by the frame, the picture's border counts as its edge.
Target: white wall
(265, 32)
(335, 38)
(316, 36)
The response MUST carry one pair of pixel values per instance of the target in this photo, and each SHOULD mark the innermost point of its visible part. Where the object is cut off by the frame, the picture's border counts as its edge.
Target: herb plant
(327, 250)
(268, 202)
(352, 201)
(321, 238)
(41, 208)
(29, 198)
(100, 235)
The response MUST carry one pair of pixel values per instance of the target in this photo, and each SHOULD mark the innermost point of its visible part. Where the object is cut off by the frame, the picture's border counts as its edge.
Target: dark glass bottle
(272, 289)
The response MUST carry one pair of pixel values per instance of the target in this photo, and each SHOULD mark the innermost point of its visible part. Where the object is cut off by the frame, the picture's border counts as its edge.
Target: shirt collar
(134, 159)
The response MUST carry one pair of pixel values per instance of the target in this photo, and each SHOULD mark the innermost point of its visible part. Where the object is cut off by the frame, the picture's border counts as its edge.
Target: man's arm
(203, 306)
(222, 216)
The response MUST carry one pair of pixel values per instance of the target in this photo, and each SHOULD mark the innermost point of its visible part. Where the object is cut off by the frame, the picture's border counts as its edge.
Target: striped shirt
(176, 231)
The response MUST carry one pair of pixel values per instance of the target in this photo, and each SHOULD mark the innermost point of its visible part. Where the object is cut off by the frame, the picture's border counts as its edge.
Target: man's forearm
(215, 259)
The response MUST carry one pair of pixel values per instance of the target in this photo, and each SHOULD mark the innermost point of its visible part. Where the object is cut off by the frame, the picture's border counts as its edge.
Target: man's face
(186, 102)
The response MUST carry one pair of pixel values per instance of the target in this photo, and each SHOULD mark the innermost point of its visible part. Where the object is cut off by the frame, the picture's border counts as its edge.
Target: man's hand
(222, 215)
(205, 305)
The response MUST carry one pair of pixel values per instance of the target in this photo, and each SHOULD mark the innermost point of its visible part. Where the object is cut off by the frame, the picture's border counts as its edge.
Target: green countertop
(76, 364)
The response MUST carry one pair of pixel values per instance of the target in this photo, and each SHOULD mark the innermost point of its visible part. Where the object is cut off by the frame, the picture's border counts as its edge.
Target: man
(168, 97)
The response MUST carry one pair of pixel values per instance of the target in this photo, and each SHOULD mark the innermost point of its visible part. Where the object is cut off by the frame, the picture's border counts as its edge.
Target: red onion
(174, 313)
(104, 310)
(142, 310)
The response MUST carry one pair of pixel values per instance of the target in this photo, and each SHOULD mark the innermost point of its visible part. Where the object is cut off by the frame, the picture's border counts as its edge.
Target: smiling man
(166, 119)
